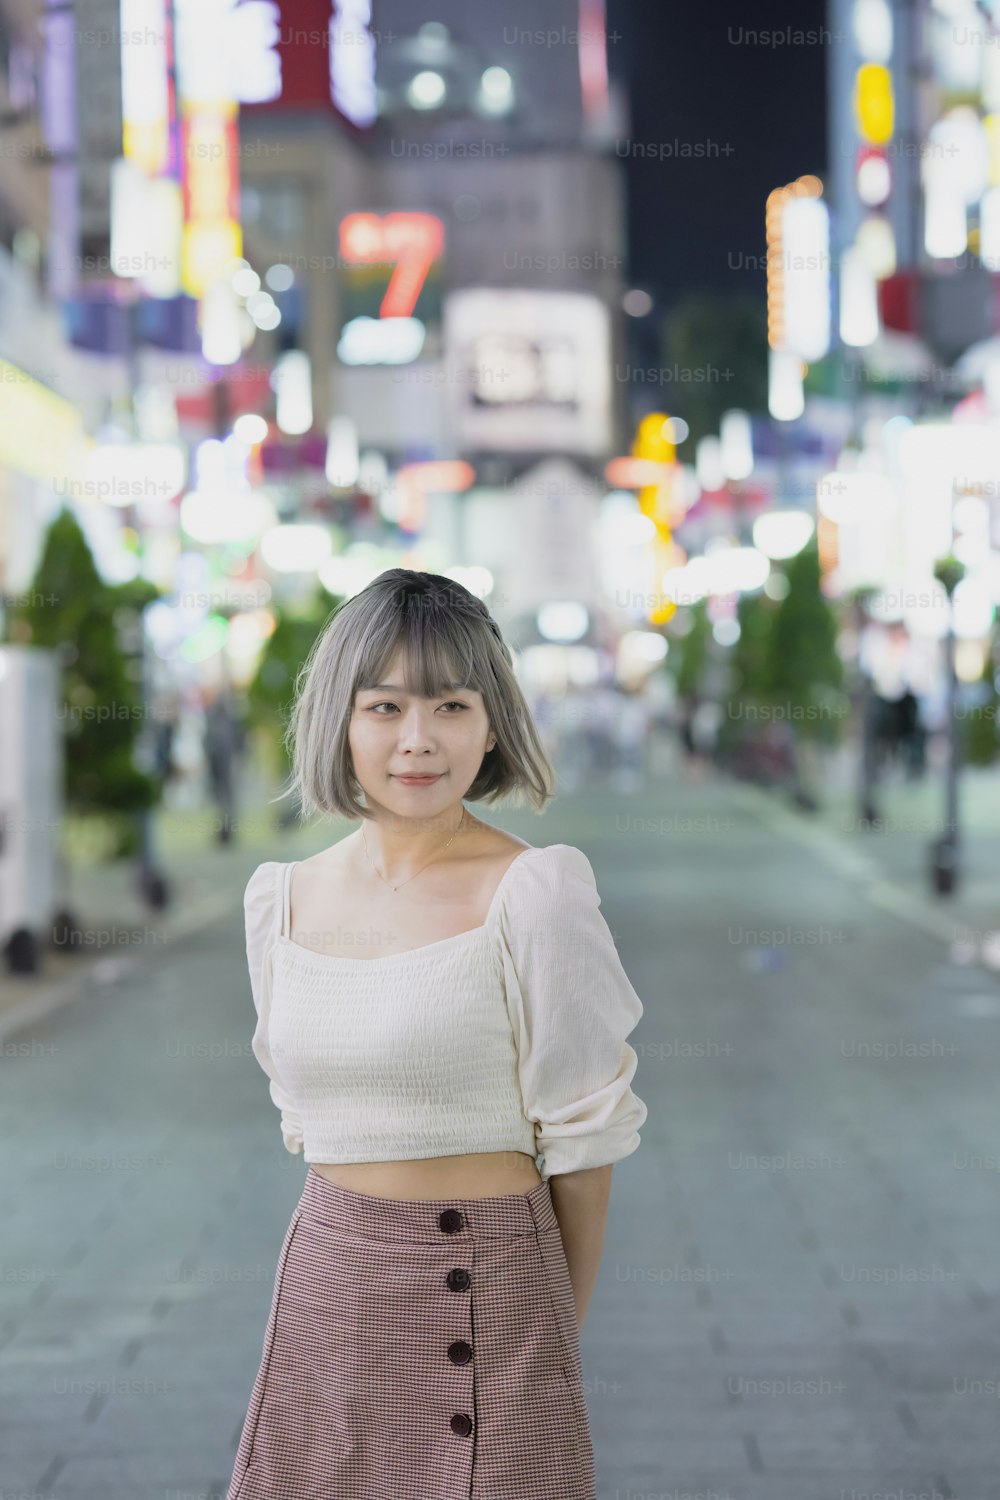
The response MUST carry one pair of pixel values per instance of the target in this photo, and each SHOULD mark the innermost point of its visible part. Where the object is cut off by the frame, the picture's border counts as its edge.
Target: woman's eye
(453, 703)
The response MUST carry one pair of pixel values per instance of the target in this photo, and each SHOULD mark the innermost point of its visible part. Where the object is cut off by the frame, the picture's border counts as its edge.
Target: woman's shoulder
(544, 874)
(261, 891)
(549, 922)
(560, 858)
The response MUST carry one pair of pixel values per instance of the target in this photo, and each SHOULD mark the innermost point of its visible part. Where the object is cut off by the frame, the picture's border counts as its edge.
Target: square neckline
(340, 958)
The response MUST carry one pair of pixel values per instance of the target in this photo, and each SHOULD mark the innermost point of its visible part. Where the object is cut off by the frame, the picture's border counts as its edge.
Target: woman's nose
(416, 727)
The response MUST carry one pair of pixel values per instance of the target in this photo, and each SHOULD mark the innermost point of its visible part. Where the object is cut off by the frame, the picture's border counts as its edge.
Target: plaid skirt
(418, 1351)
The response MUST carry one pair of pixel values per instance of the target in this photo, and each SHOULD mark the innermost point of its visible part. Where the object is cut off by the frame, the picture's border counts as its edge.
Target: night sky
(692, 220)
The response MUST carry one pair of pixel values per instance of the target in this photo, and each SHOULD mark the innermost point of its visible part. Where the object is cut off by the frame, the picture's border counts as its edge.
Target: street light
(426, 90)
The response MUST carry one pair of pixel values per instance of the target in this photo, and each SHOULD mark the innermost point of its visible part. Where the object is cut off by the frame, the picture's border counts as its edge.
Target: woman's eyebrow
(392, 687)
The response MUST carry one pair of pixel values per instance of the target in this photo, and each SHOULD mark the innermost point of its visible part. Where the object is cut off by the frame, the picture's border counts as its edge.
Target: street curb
(75, 986)
(855, 865)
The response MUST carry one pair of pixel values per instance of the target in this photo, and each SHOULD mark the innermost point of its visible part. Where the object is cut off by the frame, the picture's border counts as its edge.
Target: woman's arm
(571, 1006)
(580, 1200)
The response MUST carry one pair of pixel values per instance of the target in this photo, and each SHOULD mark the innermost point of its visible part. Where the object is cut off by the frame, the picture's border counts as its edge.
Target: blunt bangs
(438, 656)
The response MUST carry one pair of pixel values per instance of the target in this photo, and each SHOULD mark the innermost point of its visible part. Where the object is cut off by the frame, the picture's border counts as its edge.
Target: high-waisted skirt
(418, 1351)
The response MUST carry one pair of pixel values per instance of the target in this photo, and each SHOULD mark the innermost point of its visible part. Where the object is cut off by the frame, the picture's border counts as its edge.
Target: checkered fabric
(418, 1351)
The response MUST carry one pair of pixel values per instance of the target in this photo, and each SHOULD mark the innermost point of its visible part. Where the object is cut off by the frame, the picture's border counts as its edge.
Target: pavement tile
(791, 1172)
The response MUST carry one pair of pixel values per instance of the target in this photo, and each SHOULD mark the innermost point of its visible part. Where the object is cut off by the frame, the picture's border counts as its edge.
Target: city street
(620, 399)
(798, 1294)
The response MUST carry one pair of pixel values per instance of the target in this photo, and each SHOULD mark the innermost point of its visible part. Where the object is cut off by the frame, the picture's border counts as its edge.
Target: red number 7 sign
(411, 242)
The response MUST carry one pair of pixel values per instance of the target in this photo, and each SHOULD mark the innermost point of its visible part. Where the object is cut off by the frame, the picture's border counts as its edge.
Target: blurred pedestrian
(574, 741)
(602, 706)
(686, 706)
(165, 727)
(224, 740)
(188, 755)
(631, 727)
(544, 710)
(899, 678)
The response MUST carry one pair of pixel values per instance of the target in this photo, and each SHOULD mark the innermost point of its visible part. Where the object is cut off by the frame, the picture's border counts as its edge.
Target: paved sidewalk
(893, 854)
(117, 927)
(207, 879)
(799, 1271)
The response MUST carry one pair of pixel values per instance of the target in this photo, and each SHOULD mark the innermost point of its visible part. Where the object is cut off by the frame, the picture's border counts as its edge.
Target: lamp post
(949, 572)
(150, 878)
(868, 759)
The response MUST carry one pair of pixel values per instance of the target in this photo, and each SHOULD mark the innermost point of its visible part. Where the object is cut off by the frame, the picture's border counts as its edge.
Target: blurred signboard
(246, 389)
(41, 433)
(96, 90)
(309, 54)
(209, 113)
(553, 511)
(390, 283)
(529, 371)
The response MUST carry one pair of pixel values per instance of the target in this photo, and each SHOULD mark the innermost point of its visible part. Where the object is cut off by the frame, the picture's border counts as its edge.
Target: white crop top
(507, 1037)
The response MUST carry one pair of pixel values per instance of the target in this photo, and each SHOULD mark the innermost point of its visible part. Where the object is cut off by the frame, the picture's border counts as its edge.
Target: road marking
(978, 1005)
(856, 865)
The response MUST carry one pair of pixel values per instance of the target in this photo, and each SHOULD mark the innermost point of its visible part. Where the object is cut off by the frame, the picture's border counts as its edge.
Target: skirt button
(459, 1352)
(461, 1423)
(458, 1280)
(451, 1220)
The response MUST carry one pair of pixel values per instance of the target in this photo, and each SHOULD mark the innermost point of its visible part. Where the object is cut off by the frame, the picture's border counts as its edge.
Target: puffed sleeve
(262, 910)
(571, 1007)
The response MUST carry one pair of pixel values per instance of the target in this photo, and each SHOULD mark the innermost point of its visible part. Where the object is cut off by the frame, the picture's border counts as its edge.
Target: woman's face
(394, 734)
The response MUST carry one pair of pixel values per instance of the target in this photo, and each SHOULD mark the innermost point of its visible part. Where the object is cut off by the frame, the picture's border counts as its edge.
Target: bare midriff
(486, 1174)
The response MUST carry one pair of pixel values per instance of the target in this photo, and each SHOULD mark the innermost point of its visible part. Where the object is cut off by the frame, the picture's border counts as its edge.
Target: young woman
(439, 1005)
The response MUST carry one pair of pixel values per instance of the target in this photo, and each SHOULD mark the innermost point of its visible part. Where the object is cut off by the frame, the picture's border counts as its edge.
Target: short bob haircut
(449, 641)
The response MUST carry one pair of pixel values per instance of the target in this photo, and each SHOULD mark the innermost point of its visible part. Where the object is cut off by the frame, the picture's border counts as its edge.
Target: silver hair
(449, 640)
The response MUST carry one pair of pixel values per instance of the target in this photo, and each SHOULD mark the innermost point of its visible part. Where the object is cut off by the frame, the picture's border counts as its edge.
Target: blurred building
(453, 223)
(914, 145)
(41, 424)
(295, 292)
(914, 182)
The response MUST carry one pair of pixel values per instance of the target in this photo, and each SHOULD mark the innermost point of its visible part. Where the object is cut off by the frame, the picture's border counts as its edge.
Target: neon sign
(147, 102)
(410, 242)
(352, 61)
(212, 236)
(279, 64)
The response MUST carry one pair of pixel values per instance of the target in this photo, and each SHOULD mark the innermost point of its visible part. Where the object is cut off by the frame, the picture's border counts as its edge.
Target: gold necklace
(422, 867)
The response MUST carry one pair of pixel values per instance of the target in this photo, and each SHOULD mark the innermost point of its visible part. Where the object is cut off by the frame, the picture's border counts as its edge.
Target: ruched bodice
(508, 1037)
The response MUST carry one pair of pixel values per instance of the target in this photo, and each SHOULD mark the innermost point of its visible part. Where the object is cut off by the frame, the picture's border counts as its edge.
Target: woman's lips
(419, 780)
